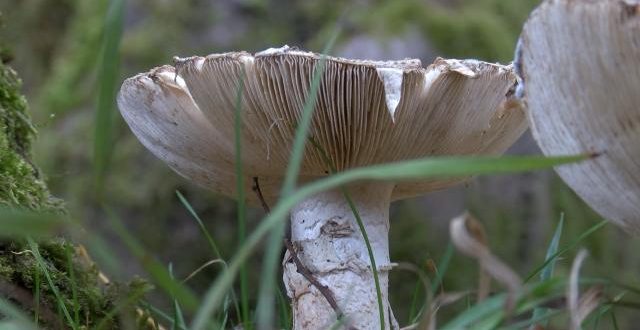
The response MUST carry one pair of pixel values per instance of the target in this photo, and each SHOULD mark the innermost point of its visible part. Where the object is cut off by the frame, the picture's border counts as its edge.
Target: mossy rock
(89, 299)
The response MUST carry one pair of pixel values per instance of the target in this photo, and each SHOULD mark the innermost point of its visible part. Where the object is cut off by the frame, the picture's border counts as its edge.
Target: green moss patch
(20, 183)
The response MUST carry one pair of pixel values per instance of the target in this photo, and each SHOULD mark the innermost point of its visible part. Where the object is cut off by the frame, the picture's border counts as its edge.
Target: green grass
(416, 169)
(363, 232)
(74, 289)
(59, 300)
(178, 316)
(25, 223)
(426, 168)
(241, 201)
(551, 259)
(108, 81)
(547, 272)
(216, 252)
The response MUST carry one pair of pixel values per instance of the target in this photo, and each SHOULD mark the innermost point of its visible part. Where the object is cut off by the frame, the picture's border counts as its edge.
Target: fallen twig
(304, 271)
(256, 189)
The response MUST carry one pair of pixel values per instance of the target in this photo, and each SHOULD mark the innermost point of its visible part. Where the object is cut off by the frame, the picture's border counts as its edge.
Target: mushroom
(367, 112)
(580, 66)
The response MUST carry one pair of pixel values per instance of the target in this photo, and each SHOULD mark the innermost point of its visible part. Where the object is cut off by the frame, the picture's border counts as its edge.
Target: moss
(20, 184)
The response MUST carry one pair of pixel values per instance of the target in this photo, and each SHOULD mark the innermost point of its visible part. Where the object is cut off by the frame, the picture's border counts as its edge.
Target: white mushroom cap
(367, 112)
(580, 62)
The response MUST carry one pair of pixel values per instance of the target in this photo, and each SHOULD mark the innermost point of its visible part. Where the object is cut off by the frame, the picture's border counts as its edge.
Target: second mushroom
(367, 112)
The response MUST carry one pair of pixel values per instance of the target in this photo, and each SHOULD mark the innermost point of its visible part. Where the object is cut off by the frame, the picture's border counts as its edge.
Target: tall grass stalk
(74, 290)
(241, 203)
(572, 245)
(212, 245)
(547, 272)
(52, 286)
(108, 77)
(265, 308)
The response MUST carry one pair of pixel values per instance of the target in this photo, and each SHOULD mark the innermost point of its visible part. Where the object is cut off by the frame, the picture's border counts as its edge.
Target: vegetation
(62, 82)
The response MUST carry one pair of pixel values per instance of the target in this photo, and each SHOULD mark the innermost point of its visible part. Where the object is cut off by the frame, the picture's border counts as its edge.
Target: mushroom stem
(329, 245)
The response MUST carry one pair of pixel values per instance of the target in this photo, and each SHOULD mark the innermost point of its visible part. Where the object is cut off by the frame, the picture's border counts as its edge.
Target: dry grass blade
(428, 321)
(484, 281)
(581, 307)
(426, 283)
(440, 301)
(468, 237)
(573, 291)
(203, 266)
(589, 301)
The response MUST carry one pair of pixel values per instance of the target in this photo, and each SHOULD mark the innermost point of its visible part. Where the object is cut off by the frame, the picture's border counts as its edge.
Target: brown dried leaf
(468, 236)
(581, 307)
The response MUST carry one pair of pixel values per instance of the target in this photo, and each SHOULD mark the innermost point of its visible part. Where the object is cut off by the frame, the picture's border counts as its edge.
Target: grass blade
(413, 308)
(416, 169)
(36, 254)
(480, 311)
(203, 229)
(8, 310)
(443, 267)
(573, 244)
(241, 207)
(121, 305)
(372, 259)
(490, 312)
(156, 270)
(212, 244)
(108, 76)
(539, 319)
(614, 320)
(285, 313)
(363, 232)
(547, 271)
(178, 318)
(36, 295)
(74, 291)
(158, 313)
(265, 309)
(441, 270)
(302, 131)
(16, 224)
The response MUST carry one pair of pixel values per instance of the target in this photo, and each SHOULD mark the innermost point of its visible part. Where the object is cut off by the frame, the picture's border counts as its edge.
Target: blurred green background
(55, 45)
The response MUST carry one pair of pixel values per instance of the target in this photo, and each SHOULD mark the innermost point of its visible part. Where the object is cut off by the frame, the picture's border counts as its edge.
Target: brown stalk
(256, 189)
